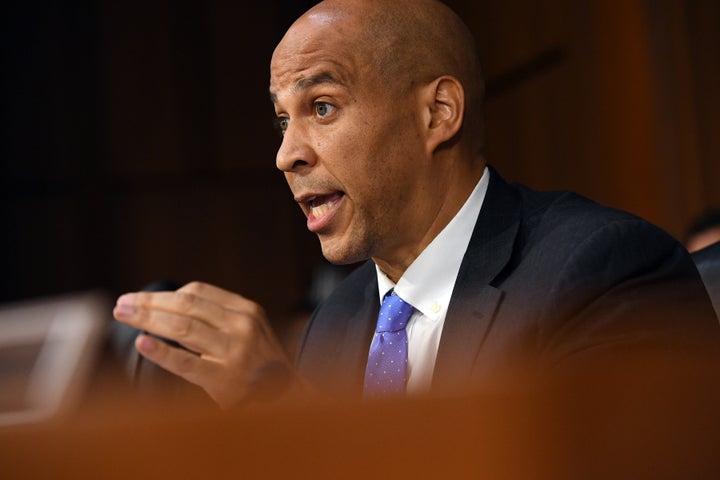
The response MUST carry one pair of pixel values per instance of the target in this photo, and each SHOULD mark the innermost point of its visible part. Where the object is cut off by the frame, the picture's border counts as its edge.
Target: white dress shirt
(427, 285)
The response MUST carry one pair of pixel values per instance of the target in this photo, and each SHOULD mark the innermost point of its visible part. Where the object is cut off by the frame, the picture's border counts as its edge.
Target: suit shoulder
(563, 206)
(568, 219)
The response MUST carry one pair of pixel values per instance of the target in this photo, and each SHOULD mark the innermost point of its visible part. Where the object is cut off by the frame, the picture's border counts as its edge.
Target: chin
(343, 253)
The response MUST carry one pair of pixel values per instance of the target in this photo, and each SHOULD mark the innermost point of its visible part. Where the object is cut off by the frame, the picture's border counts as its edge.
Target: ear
(444, 103)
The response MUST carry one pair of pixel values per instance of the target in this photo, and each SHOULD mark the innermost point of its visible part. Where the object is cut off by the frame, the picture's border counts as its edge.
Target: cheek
(368, 156)
(322, 144)
(352, 152)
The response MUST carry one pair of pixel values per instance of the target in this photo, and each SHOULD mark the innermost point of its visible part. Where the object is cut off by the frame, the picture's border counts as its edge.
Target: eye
(323, 109)
(282, 124)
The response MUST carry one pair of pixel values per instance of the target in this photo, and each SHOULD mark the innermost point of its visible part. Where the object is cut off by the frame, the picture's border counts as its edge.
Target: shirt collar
(428, 282)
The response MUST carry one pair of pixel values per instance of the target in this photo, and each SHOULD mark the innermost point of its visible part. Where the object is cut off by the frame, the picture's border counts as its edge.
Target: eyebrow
(305, 83)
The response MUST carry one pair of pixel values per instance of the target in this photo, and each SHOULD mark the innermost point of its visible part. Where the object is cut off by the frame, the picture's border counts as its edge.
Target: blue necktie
(387, 362)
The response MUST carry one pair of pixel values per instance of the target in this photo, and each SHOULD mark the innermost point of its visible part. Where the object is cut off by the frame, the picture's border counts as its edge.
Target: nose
(295, 152)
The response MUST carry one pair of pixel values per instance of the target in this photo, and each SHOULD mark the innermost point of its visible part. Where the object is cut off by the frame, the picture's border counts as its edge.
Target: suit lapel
(334, 350)
(475, 300)
(359, 331)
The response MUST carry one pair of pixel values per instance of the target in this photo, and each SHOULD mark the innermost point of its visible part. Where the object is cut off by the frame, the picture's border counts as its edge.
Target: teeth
(321, 210)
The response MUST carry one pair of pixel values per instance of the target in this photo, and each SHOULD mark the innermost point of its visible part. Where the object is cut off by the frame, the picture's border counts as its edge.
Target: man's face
(352, 149)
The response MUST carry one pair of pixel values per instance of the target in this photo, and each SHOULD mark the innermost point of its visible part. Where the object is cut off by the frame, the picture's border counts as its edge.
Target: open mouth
(321, 209)
(321, 205)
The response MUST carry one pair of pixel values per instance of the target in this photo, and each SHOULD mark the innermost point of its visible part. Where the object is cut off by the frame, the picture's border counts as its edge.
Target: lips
(321, 209)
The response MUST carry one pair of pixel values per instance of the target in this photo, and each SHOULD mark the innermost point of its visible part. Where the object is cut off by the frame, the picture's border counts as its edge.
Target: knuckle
(184, 364)
(257, 311)
(143, 317)
(247, 325)
(183, 328)
(142, 299)
(184, 300)
(193, 287)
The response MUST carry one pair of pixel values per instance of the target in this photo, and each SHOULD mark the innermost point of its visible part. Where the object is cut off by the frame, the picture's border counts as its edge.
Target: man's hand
(229, 338)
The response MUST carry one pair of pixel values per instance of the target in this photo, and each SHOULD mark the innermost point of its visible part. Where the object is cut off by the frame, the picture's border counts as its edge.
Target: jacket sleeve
(628, 294)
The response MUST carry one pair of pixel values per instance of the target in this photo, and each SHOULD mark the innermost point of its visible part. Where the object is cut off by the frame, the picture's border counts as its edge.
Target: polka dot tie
(387, 363)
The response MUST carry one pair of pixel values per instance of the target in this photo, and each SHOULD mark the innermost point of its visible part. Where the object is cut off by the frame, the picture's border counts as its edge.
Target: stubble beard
(352, 250)
(355, 245)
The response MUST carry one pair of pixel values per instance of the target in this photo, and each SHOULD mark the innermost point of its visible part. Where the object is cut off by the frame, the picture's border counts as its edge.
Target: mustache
(301, 186)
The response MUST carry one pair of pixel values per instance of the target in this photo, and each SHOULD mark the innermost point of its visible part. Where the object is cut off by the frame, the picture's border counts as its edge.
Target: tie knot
(394, 314)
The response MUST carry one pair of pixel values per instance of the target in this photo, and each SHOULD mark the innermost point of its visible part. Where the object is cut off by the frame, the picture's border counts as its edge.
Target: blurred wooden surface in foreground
(634, 426)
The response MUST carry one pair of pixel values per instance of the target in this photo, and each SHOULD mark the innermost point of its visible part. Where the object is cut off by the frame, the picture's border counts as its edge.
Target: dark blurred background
(137, 141)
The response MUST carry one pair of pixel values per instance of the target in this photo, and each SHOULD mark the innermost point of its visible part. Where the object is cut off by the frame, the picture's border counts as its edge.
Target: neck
(458, 186)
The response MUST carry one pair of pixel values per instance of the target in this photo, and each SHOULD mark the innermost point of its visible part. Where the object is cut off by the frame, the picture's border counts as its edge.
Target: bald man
(379, 104)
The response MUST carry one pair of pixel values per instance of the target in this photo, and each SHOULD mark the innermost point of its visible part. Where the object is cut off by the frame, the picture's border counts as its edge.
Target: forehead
(302, 73)
(323, 54)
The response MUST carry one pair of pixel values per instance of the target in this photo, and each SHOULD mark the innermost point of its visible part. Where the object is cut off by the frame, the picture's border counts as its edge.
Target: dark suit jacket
(549, 280)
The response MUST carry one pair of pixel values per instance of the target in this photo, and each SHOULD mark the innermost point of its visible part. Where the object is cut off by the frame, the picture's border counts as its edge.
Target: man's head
(379, 102)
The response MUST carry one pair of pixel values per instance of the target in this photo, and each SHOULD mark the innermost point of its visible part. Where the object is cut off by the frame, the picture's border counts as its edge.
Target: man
(379, 103)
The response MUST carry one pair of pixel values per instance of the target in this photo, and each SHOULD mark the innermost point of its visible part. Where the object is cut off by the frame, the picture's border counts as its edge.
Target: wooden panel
(242, 239)
(703, 37)
(622, 108)
(191, 144)
(623, 432)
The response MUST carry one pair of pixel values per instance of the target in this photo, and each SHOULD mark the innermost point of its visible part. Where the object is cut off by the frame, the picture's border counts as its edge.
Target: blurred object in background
(704, 231)
(49, 349)
(708, 264)
(325, 277)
